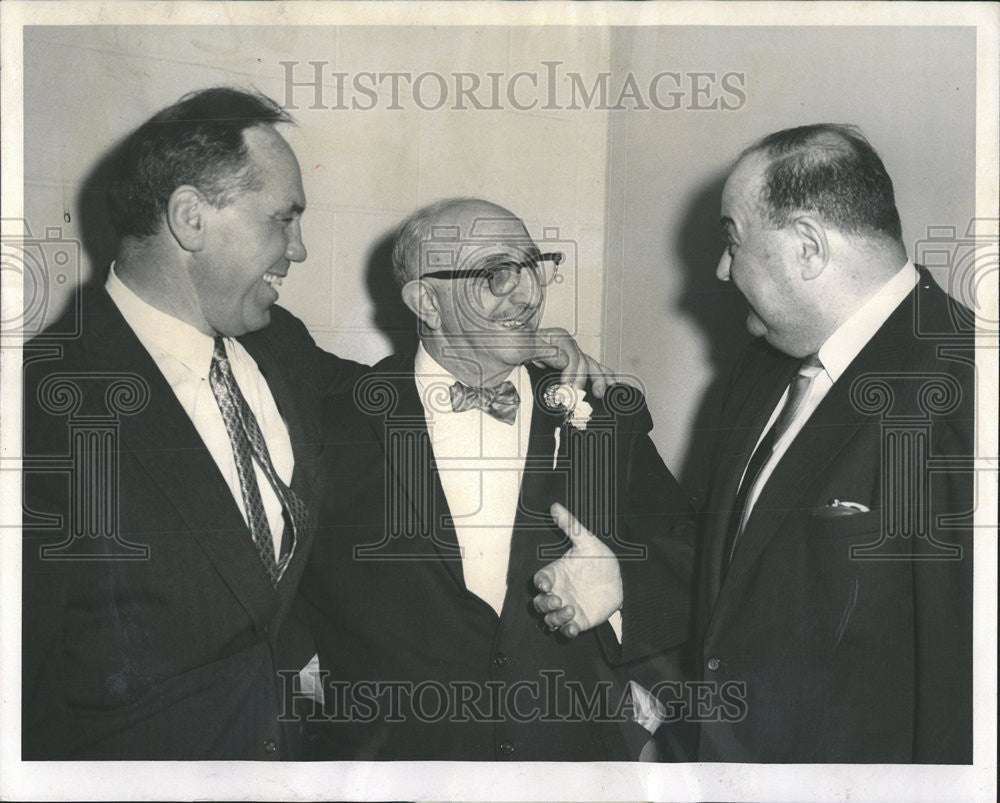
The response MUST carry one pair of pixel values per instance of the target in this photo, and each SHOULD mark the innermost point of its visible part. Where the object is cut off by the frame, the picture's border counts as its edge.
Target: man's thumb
(566, 522)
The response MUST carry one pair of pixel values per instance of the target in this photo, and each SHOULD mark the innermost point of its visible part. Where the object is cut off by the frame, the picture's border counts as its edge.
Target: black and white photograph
(396, 392)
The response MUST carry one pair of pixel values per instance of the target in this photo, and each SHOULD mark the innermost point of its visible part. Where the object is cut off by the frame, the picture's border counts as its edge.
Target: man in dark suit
(161, 560)
(446, 469)
(172, 481)
(835, 582)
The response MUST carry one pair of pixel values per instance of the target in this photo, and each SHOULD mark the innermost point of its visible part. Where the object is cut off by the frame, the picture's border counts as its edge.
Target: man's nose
(528, 290)
(296, 249)
(722, 270)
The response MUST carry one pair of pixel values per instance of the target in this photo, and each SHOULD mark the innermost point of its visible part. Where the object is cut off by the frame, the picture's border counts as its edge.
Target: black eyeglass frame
(488, 272)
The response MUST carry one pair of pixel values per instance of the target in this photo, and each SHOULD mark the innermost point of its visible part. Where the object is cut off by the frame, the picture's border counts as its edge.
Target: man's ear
(186, 217)
(422, 303)
(812, 246)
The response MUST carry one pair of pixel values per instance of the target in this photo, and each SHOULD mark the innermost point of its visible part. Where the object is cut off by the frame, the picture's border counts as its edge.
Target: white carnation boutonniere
(573, 405)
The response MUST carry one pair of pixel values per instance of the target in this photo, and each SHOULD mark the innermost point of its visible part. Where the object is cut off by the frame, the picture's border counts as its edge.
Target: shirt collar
(433, 382)
(159, 332)
(852, 335)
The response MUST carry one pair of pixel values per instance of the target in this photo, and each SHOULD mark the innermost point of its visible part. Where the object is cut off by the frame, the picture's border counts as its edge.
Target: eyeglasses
(502, 274)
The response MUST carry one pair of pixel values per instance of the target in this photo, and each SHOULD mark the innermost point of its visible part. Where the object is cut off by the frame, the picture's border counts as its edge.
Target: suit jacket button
(714, 664)
(506, 748)
(270, 746)
(500, 659)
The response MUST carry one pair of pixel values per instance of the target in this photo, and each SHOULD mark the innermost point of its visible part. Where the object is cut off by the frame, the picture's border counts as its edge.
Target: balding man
(158, 576)
(834, 584)
(446, 469)
(835, 591)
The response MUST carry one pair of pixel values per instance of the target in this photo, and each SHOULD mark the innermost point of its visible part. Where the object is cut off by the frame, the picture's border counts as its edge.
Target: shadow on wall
(391, 317)
(720, 312)
(99, 243)
(97, 236)
(59, 287)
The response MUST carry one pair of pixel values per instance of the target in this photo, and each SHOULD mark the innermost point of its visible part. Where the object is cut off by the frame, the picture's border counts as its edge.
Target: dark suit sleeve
(46, 583)
(656, 613)
(330, 374)
(943, 616)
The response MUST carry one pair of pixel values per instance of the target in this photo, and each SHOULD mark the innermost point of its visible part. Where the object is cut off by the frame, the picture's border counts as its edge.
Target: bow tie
(500, 402)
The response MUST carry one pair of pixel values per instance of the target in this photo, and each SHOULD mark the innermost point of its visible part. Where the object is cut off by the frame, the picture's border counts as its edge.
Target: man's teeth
(273, 279)
(516, 321)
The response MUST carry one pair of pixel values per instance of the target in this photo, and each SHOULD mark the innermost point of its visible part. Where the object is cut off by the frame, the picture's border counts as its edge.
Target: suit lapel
(536, 540)
(754, 411)
(417, 476)
(829, 431)
(415, 498)
(164, 441)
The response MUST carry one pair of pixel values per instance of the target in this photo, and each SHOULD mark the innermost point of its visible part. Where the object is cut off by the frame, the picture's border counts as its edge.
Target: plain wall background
(363, 171)
(634, 194)
(669, 321)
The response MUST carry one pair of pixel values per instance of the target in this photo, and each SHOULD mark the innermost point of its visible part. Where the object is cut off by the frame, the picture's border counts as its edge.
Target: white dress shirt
(184, 357)
(836, 353)
(481, 462)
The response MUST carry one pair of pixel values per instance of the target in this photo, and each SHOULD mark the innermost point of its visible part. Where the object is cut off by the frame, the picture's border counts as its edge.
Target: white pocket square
(839, 507)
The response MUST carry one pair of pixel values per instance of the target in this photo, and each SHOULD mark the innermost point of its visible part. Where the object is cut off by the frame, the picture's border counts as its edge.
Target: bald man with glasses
(453, 476)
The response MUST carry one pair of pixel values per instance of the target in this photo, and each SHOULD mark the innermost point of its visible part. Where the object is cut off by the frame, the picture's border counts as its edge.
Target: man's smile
(517, 320)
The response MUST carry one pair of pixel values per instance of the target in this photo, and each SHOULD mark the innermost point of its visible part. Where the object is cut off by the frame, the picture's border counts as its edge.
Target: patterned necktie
(248, 446)
(808, 371)
(500, 402)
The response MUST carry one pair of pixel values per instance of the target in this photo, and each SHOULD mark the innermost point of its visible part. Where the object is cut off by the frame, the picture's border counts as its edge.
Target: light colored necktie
(249, 445)
(797, 392)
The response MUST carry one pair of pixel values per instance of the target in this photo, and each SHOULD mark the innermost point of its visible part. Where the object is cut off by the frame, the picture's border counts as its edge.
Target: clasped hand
(583, 588)
(555, 348)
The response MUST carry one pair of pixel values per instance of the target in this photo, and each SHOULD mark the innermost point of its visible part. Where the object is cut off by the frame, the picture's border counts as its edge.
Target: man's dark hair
(831, 171)
(197, 141)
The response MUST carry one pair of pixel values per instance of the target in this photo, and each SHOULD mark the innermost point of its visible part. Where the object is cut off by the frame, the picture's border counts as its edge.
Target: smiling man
(837, 578)
(835, 584)
(447, 467)
(153, 602)
(160, 566)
